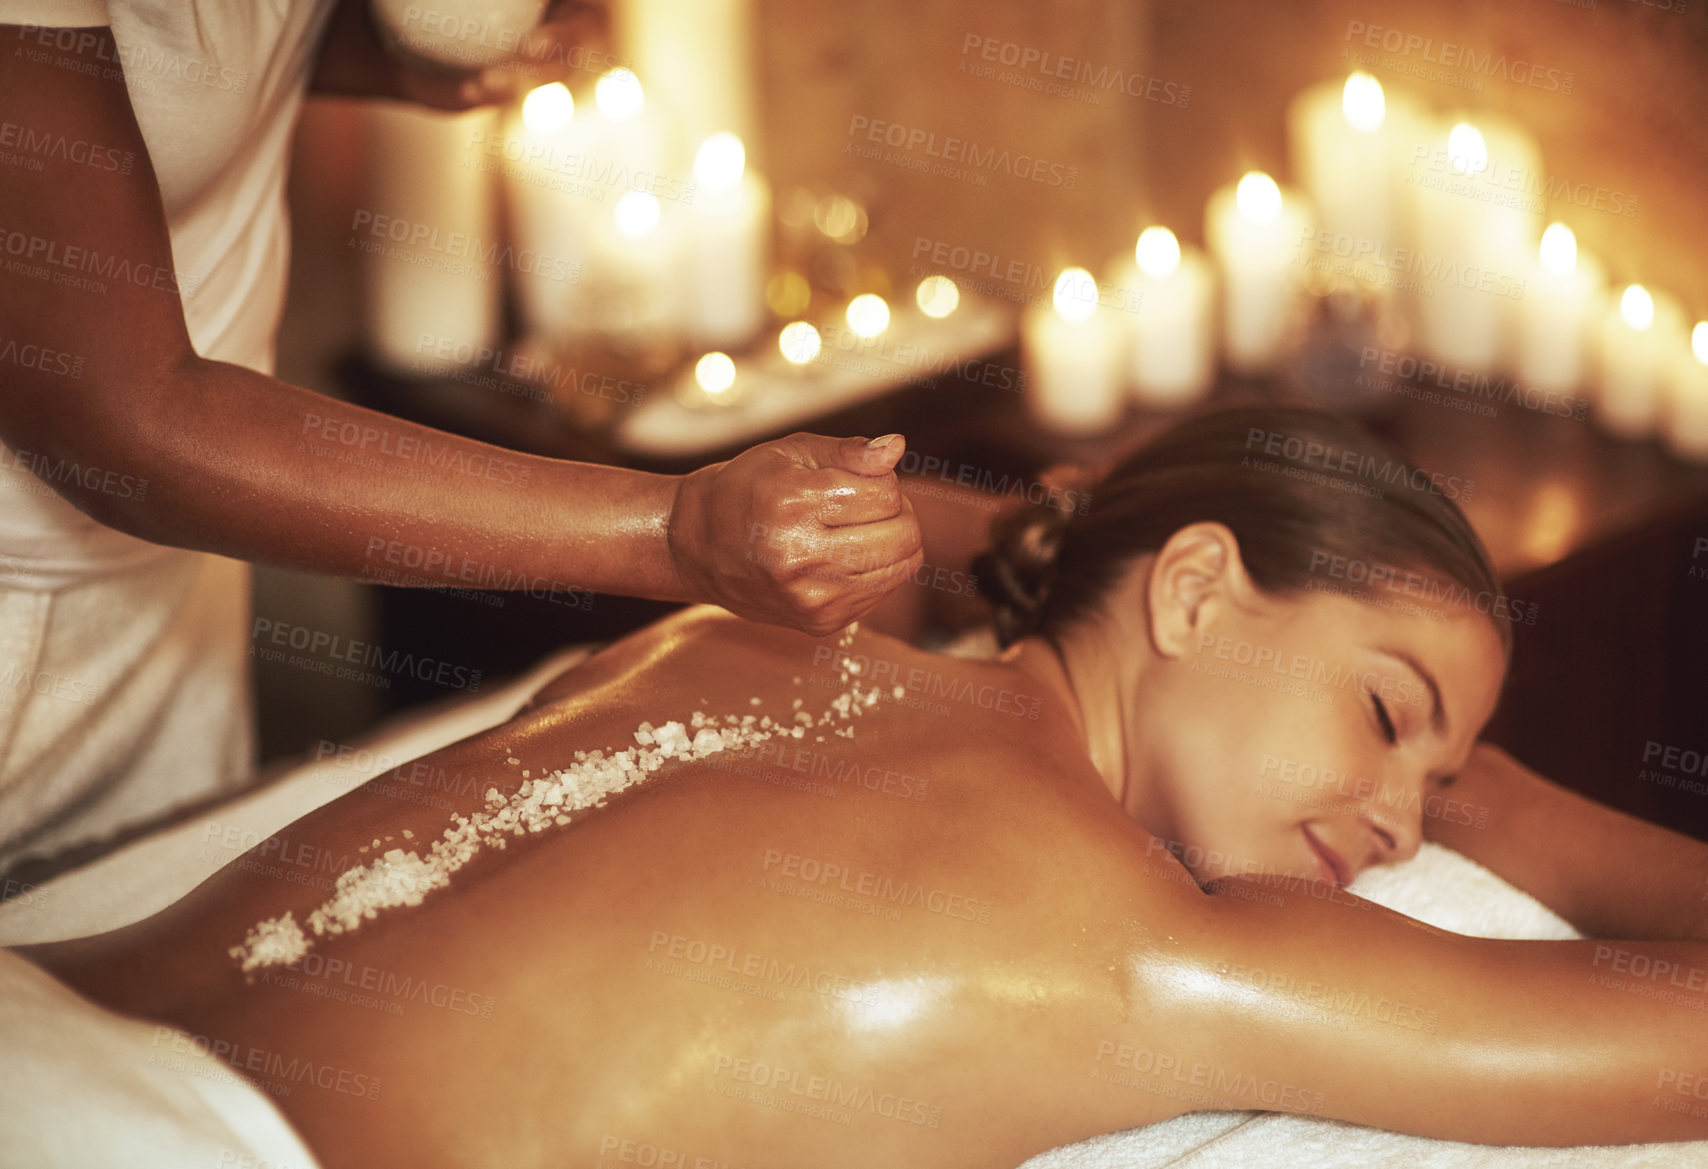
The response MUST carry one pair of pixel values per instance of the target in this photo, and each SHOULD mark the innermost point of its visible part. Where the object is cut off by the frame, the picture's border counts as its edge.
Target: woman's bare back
(905, 936)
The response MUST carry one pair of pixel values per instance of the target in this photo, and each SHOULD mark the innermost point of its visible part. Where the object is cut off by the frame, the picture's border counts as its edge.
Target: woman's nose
(1394, 819)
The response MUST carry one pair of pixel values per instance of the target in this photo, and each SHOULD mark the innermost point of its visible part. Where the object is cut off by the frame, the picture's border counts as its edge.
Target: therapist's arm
(1610, 874)
(101, 391)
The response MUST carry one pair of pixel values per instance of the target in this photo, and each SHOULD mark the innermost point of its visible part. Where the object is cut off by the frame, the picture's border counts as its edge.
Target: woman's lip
(1333, 866)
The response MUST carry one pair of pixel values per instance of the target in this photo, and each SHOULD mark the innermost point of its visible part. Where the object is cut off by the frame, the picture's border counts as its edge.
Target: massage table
(80, 1085)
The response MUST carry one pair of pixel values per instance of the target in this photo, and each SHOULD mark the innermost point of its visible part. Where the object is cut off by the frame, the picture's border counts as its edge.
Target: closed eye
(1382, 717)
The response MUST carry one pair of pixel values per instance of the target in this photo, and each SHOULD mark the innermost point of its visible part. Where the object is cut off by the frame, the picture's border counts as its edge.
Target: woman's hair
(1316, 502)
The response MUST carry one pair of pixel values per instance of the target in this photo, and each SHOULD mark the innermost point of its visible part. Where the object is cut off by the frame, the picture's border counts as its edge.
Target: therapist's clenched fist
(806, 531)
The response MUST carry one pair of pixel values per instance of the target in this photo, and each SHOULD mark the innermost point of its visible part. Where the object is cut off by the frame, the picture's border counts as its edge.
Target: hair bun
(1017, 572)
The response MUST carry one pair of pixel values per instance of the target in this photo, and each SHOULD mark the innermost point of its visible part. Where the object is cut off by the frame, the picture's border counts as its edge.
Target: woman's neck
(1085, 674)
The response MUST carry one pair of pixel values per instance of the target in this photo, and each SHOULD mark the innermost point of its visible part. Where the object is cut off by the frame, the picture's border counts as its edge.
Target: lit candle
(1255, 231)
(867, 315)
(937, 296)
(1686, 424)
(1170, 292)
(1639, 335)
(1475, 229)
(638, 253)
(713, 382)
(1073, 353)
(728, 236)
(1562, 297)
(426, 275)
(551, 218)
(1346, 145)
(799, 343)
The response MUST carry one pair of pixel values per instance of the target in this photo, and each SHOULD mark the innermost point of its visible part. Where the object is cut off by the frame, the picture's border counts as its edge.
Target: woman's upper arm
(86, 270)
(1294, 998)
(1610, 874)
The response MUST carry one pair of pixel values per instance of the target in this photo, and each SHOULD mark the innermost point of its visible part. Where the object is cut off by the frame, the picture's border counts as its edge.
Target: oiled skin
(1092, 996)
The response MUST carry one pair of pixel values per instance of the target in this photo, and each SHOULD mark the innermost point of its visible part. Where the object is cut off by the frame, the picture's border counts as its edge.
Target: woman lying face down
(1277, 668)
(735, 895)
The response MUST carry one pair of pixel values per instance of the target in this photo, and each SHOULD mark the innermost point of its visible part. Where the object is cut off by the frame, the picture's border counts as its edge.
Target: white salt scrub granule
(405, 878)
(272, 943)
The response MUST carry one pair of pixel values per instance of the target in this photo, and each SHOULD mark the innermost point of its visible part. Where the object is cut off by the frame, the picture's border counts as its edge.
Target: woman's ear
(1197, 571)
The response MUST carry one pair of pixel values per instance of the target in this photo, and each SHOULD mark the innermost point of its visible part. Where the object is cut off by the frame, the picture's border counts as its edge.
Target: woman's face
(1310, 735)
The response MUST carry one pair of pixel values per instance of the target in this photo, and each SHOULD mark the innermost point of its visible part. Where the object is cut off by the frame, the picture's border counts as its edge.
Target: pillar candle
(727, 243)
(1255, 230)
(637, 249)
(1347, 144)
(698, 59)
(1639, 335)
(1171, 345)
(424, 271)
(1073, 354)
(1686, 422)
(1563, 303)
(1474, 234)
(551, 211)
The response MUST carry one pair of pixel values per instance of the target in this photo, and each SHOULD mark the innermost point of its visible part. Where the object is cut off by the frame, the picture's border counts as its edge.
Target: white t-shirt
(124, 681)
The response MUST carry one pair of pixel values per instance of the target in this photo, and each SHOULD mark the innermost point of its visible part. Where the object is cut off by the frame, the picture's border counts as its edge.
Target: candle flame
(719, 162)
(619, 95)
(1362, 102)
(1157, 253)
(636, 213)
(715, 372)
(1699, 341)
(1257, 197)
(548, 108)
(868, 315)
(1559, 250)
(1075, 294)
(1637, 307)
(798, 342)
(1467, 150)
(937, 296)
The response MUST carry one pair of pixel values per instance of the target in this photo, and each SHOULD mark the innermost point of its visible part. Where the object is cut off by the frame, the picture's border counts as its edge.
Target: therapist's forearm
(248, 466)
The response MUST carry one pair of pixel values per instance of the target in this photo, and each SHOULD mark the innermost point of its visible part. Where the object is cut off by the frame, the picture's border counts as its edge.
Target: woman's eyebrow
(1438, 713)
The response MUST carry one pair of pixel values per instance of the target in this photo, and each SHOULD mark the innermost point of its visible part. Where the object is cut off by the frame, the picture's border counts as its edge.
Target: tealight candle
(727, 244)
(1639, 337)
(868, 315)
(1686, 423)
(1073, 353)
(1561, 298)
(799, 343)
(1171, 351)
(1255, 231)
(712, 383)
(937, 296)
(432, 278)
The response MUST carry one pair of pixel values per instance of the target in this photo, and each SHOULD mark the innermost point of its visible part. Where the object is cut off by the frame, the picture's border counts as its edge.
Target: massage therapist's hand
(806, 531)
